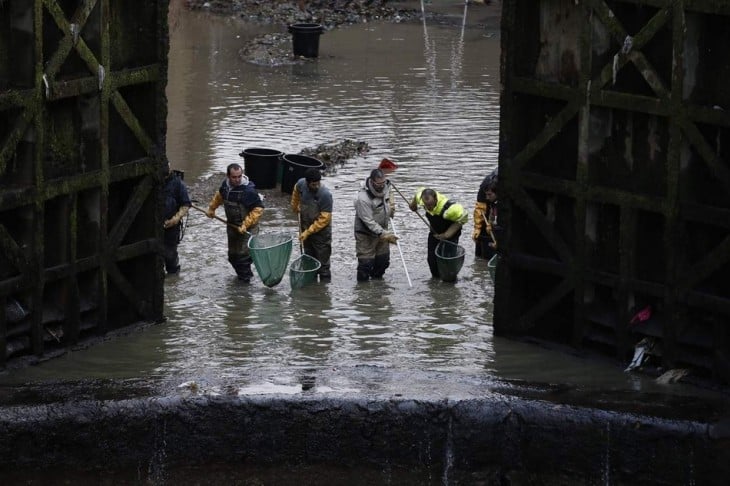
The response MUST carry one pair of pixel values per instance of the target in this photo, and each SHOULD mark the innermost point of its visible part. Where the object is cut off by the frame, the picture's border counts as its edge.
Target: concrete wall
(363, 440)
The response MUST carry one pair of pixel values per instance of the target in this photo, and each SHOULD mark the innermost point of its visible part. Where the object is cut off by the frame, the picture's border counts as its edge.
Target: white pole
(397, 243)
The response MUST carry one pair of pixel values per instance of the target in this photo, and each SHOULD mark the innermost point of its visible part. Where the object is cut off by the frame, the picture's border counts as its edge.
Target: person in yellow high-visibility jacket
(445, 218)
(313, 203)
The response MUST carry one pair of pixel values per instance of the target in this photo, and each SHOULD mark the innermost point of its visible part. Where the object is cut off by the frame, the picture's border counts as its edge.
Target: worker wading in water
(177, 204)
(374, 206)
(244, 208)
(313, 202)
(445, 218)
(485, 218)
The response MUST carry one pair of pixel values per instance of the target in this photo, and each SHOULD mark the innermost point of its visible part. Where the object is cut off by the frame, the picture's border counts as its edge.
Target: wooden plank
(3, 331)
(537, 217)
(131, 121)
(548, 301)
(131, 210)
(130, 293)
(13, 252)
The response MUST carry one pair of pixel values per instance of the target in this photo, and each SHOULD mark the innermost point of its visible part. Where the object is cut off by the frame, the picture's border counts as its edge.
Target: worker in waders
(313, 203)
(486, 224)
(244, 208)
(445, 219)
(177, 205)
(374, 206)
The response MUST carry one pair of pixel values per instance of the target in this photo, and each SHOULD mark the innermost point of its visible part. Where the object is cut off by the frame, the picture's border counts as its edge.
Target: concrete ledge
(485, 440)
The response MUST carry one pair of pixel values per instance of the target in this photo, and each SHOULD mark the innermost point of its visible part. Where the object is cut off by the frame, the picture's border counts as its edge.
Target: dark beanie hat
(312, 175)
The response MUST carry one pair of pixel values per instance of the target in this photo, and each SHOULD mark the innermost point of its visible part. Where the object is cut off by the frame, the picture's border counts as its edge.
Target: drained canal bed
(344, 383)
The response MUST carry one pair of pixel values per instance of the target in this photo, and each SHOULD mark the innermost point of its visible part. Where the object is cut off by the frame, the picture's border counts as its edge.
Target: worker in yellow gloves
(445, 219)
(374, 206)
(485, 218)
(313, 203)
(244, 208)
(177, 204)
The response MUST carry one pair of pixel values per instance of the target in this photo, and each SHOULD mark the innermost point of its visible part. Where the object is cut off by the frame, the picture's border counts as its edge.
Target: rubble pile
(328, 13)
(333, 154)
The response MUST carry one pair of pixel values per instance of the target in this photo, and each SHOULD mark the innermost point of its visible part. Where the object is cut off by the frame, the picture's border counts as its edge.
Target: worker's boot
(364, 269)
(242, 266)
(380, 264)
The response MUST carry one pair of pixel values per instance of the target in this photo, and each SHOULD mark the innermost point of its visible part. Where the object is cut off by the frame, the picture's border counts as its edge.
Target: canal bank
(434, 431)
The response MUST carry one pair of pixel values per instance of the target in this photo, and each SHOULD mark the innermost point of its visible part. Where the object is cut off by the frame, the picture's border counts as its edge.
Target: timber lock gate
(614, 148)
(82, 125)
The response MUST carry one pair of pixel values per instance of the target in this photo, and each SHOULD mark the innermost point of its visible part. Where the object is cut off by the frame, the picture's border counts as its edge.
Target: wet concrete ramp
(508, 435)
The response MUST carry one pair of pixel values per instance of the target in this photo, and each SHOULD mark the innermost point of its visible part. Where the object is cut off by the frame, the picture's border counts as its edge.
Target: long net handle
(397, 243)
(299, 233)
(489, 230)
(217, 217)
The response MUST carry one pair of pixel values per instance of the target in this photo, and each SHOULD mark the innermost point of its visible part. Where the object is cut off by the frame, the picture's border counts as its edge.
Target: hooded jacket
(372, 210)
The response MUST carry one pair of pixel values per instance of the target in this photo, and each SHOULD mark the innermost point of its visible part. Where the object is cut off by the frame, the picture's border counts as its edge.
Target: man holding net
(445, 219)
(313, 203)
(244, 208)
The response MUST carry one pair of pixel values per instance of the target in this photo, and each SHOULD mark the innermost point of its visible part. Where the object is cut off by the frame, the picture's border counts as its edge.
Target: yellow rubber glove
(175, 220)
(320, 223)
(304, 235)
(295, 199)
(213, 205)
(479, 211)
(252, 218)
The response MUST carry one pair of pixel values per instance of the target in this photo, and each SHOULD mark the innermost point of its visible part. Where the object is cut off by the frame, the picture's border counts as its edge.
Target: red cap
(387, 165)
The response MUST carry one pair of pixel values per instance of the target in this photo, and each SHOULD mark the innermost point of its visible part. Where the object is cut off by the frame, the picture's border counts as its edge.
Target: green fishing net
(449, 260)
(270, 254)
(303, 271)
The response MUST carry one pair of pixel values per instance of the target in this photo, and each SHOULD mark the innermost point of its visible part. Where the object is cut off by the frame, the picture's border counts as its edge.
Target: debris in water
(337, 152)
(642, 350)
(672, 376)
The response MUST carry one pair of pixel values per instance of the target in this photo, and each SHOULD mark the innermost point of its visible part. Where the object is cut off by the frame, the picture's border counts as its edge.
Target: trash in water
(672, 376)
(642, 350)
(642, 316)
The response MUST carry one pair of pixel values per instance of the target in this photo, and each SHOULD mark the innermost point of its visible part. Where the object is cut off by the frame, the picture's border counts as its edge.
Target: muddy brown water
(426, 96)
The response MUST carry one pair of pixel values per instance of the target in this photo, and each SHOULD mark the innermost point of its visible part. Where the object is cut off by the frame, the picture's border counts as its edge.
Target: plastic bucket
(294, 168)
(261, 165)
(305, 39)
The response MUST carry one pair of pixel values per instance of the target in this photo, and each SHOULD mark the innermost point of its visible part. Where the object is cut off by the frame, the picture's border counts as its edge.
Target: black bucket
(305, 39)
(262, 166)
(294, 168)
